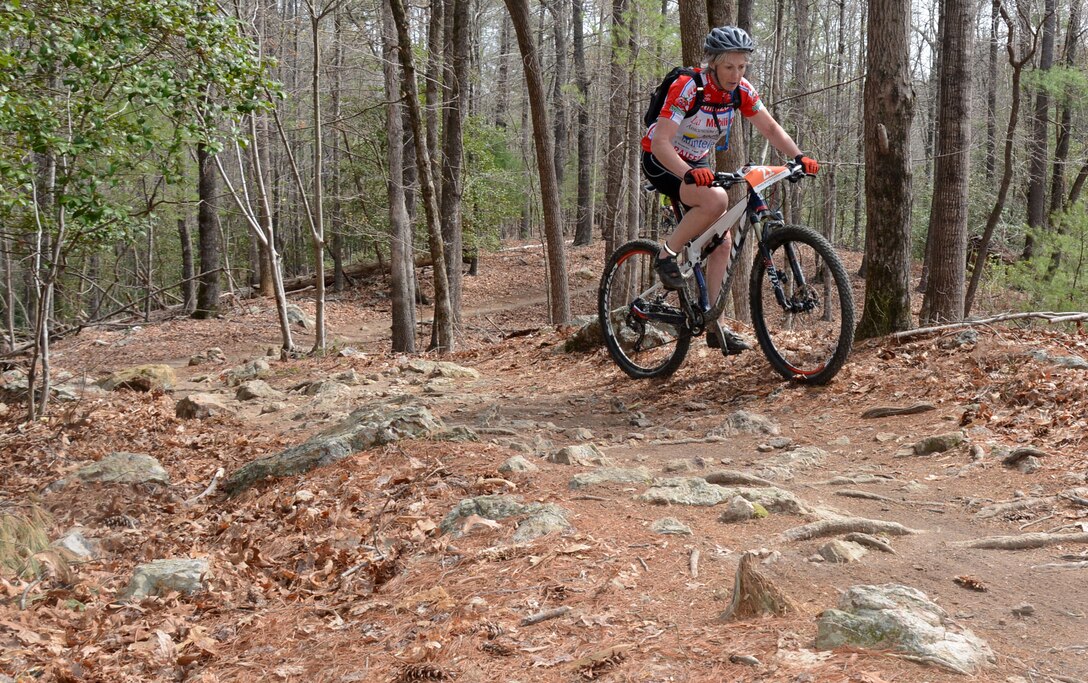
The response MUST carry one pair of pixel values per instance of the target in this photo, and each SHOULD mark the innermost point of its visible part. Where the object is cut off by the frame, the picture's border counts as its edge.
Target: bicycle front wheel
(802, 305)
(642, 323)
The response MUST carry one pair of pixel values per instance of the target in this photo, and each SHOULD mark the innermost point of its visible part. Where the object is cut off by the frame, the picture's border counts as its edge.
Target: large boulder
(254, 369)
(365, 428)
(151, 377)
(904, 619)
(256, 388)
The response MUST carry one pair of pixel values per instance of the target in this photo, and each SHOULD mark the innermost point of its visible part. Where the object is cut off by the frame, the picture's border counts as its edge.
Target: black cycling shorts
(664, 180)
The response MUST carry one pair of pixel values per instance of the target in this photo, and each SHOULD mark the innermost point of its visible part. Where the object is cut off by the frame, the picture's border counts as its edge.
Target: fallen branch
(892, 412)
(865, 495)
(212, 486)
(693, 563)
(1023, 541)
(843, 525)
(1062, 565)
(1052, 318)
(544, 616)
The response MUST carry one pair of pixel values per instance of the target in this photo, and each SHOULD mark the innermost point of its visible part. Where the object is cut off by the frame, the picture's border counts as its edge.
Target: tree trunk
(559, 106)
(583, 232)
(693, 30)
(1065, 122)
(317, 230)
(432, 87)
(443, 316)
(617, 131)
(337, 246)
(888, 112)
(454, 108)
(401, 280)
(188, 286)
(502, 79)
(991, 93)
(944, 294)
(207, 296)
(1037, 144)
(553, 225)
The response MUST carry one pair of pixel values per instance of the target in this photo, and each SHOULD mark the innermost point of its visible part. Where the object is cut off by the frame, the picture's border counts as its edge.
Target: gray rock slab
(582, 454)
(121, 468)
(364, 428)
(75, 546)
(256, 388)
(785, 465)
(548, 519)
(254, 369)
(488, 507)
(611, 475)
(737, 510)
(904, 619)
(150, 377)
(518, 464)
(670, 526)
(162, 576)
(938, 443)
(744, 422)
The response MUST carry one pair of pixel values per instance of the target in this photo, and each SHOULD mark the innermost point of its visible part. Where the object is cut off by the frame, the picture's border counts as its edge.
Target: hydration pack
(657, 98)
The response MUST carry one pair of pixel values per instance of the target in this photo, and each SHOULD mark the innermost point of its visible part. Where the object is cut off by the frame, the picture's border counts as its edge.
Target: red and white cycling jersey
(698, 133)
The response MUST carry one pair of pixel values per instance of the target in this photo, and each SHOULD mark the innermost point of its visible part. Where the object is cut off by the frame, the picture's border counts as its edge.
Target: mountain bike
(800, 298)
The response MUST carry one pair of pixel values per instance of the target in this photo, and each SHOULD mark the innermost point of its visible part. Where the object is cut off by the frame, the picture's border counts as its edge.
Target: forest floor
(296, 592)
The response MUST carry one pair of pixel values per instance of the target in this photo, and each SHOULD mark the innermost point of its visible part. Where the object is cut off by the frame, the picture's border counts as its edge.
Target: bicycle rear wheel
(642, 322)
(808, 336)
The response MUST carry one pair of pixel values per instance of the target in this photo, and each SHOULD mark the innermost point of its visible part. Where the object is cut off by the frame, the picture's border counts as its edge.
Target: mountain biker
(676, 151)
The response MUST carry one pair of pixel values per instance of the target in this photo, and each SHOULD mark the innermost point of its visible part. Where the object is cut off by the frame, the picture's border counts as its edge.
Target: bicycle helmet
(728, 39)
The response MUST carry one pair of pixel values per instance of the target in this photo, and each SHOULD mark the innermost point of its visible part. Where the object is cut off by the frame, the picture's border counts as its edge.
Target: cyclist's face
(729, 69)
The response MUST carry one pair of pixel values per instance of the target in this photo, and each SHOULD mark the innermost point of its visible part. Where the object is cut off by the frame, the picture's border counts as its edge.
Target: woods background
(157, 154)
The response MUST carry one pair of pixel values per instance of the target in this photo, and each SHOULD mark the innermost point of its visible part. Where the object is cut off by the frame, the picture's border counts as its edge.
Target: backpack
(657, 98)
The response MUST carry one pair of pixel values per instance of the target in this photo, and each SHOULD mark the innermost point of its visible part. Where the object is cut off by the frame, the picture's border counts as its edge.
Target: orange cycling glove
(808, 164)
(701, 176)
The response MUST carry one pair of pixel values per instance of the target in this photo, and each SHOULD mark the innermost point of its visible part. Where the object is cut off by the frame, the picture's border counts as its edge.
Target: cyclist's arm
(662, 149)
(775, 134)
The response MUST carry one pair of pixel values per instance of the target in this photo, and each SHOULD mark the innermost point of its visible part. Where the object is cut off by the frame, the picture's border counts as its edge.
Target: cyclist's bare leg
(707, 204)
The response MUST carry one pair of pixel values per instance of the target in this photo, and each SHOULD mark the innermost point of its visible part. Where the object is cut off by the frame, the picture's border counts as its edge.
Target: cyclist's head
(725, 40)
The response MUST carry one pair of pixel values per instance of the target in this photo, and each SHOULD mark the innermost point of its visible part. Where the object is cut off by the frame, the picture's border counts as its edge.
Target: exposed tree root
(866, 495)
(1014, 506)
(734, 478)
(1049, 317)
(844, 525)
(869, 542)
(1023, 541)
(754, 594)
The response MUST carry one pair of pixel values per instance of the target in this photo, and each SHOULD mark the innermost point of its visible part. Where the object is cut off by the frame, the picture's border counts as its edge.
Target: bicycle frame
(757, 178)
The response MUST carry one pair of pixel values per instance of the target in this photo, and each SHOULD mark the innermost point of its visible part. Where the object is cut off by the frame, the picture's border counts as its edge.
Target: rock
(694, 491)
(938, 444)
(540, 519)
(842, 552)
(212, 355)
(273, 407)
(364, 428)
(1016, 456)
(587, 338)
(200, 406)
(517, 464)
(325, 386)
(296, 316)
(256, 388)
(151, 377)
(965, 338)
(548, 519)
(1029, 465)
(611, 475)
(162, 576)
(458, 434)
(885, 437)
(583, 454)
(1023, 610)
(254, 369)
(783, 467)
(743, 422)
(1073, 362)
(580, 434)
(120, 468)
(455, 371)
(347, 377)
(839, 441)
(74, 546)
(680, 465)
(738, 510)
(350, 352)
(670, 526)
(904, 619)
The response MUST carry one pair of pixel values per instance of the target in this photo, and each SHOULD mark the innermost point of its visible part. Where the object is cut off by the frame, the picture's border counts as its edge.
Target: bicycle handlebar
(728, 179)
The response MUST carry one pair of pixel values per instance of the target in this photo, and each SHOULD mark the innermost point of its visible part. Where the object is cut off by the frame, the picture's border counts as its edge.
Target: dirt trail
(289, 601)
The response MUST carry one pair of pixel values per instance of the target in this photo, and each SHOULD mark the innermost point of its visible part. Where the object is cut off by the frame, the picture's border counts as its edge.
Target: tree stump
(754, 594)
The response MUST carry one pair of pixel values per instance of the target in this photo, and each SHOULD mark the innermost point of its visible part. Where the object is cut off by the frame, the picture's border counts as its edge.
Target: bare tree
(889, 109)
(944, 294)
(401, 267)
(1040, 123)
(583, 232)
(443, 316)
(559, 293)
